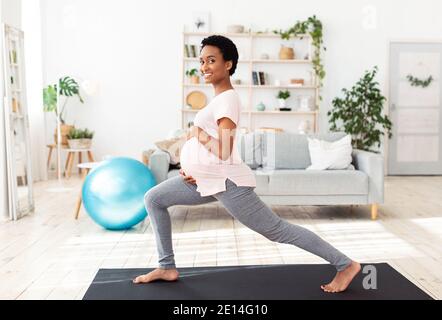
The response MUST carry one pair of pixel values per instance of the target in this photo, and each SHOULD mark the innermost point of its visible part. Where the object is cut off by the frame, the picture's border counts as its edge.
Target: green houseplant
(193, 75)
(68, 88)
(80, 138)
(313, 27)
(282, 97)
(359, 113)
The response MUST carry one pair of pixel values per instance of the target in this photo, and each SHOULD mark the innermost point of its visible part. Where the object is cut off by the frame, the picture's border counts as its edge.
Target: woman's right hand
(188, 179)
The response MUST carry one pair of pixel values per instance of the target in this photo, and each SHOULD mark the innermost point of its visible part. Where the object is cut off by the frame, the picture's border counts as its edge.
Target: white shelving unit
(250, 47)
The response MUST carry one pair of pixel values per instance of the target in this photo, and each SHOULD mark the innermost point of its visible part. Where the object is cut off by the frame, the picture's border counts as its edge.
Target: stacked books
(259, 78)
(190, 51)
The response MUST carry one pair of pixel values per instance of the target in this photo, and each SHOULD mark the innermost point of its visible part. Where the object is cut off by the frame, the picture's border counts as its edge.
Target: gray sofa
(279, 161)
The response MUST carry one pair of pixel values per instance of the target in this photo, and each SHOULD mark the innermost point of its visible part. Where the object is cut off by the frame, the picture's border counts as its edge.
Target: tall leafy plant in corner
(359, 113)
(68, 88)
(313, 27)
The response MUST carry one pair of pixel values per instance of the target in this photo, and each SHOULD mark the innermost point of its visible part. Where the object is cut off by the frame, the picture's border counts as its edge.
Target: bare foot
(158, 274)
(343, 278)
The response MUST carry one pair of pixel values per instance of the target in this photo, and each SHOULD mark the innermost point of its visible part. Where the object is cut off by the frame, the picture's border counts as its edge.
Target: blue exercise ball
(113, 193)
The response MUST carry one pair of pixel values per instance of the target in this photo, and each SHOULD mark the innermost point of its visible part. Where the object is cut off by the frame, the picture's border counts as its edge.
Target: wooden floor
(49, 255)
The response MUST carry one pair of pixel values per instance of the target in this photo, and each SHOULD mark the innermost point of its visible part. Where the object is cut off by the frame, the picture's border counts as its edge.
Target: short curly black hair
(226, 46)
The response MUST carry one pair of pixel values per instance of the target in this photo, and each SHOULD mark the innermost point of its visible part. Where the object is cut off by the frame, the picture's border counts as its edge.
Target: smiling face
(213, 66)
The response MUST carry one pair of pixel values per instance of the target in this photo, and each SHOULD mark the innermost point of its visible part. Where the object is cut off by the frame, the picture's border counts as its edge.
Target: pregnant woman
(212, 170)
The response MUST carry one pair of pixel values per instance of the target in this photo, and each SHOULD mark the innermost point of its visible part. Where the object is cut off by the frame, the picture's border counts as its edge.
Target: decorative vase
(264, 56)
(304, 127)
(260, 107)
(305, 103)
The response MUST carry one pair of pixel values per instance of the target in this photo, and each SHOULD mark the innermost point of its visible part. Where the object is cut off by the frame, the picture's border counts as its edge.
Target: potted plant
(313, 27)
(282, 97)
(68, 88)
(359, 113)
(80, 138)
(193, 75)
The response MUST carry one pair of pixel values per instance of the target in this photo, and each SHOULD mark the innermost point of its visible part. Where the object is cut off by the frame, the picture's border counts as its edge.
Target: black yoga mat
(261, 282)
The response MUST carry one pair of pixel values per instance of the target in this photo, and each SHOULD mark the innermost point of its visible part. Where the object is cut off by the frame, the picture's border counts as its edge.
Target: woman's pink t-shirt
(207, 169)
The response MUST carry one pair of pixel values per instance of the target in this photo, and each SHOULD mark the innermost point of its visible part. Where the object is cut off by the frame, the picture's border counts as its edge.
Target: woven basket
(286, 53)
(64, 129)
(79, 143)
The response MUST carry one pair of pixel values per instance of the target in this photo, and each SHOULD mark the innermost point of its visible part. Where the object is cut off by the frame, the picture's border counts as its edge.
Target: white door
(415, 110)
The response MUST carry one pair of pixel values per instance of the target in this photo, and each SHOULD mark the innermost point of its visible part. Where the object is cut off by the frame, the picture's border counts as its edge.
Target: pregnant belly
(199, 162)
(196, 160)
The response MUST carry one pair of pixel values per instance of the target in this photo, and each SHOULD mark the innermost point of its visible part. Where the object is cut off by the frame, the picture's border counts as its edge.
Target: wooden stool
(51, 147)
(85, 168)
(70, 158)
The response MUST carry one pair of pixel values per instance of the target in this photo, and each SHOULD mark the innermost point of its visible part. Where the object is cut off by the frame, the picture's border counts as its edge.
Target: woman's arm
(222, 147)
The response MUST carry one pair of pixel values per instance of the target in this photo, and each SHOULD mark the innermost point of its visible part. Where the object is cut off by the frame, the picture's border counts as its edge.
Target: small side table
(51, 148)
(85, 168)
(70, 157)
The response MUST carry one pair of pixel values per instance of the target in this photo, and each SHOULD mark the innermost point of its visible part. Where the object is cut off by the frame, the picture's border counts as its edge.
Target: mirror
(20, 194)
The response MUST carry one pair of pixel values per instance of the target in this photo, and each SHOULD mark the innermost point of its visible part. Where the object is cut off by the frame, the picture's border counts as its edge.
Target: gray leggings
(243, 204)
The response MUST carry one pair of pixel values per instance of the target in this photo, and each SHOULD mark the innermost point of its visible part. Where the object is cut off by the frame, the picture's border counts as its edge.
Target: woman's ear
(229, 65)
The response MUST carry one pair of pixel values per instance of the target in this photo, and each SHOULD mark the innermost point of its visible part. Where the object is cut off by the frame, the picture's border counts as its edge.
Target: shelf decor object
(196, 99)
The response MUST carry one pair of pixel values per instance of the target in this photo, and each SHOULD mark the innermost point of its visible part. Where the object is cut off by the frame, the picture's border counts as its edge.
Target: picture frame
(201, 21)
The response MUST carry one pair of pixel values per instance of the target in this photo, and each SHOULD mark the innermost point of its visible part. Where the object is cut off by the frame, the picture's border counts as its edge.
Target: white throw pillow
(172, 147)
(330, 155)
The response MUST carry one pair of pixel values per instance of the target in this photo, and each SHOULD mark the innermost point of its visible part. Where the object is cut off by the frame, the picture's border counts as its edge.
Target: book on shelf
(186, 51)
(190, 51)
(262, 79)
(259, 78)
(269, 129)
(255, 78)
(194, 51)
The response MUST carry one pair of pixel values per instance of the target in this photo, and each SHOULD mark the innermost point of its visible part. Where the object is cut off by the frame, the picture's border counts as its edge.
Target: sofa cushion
(289, 150)
(250, 148)
(330, 155)
(173, 147)
(303, 182)
(262, 181)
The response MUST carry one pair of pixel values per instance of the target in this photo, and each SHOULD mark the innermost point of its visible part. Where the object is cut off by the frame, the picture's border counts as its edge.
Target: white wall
(10, 11)
(31, 26)
(133, 47)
